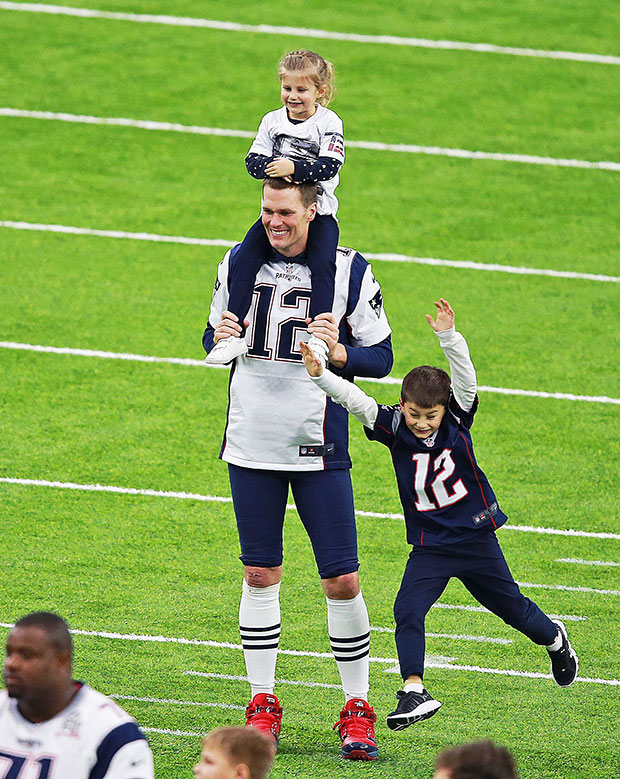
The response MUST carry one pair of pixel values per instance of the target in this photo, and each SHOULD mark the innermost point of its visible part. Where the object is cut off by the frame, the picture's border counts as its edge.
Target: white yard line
(403, 148)
(453, 636)
(172, 701)
(483, 610)
(305, 32)
(567, 588)
(555, 532)
(290, 507)
(383, 257)
(491, 267)
(169, 732)
(510, 672)
(578, 561)
(201, 364)
(320, 655)
(234, 678)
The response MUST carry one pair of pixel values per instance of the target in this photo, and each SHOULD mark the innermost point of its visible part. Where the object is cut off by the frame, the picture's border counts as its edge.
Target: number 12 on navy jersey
(441, 492)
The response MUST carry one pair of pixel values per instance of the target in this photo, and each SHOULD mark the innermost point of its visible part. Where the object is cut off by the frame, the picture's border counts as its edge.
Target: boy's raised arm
(355, 400)
(454, 346)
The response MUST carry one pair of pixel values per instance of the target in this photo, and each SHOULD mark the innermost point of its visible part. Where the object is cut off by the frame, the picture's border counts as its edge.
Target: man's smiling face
(286, 220)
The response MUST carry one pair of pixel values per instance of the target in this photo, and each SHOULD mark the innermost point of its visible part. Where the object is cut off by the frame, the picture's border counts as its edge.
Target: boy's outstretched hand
(313, 366)
(445, 316)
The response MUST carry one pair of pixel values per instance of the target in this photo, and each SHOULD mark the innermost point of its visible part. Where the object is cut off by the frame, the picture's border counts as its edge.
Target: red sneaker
(356, 727)
(265, 714)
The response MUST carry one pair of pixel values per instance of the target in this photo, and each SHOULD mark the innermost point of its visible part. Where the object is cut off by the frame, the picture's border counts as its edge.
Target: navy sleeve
(465, 418)
(383, 431)
(256, 164)
(117, 738)
(321, 169)
(372, 361)
(208, 341)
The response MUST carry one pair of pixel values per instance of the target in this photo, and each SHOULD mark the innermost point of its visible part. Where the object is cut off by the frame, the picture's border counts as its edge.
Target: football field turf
(116, 510)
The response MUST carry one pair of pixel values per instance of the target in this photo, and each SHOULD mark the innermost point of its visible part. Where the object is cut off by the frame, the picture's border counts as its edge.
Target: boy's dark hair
(308, 191)
(478, 760)
(243, 745)
(426, 387)
(54, 626)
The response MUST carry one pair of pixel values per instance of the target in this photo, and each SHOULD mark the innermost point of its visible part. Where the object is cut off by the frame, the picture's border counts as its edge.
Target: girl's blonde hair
(319, 71)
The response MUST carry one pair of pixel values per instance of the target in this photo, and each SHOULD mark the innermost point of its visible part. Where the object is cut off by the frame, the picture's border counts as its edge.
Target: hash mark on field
(289, 507)
(403, 148)
(181, 239)
(577, 561)
(308, 32)
(75, 352)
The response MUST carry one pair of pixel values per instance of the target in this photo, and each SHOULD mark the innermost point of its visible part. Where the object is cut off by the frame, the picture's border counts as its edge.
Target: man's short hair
(54, 627)
(308, 191)
(478, 760)
(426, 387)
(243, 745)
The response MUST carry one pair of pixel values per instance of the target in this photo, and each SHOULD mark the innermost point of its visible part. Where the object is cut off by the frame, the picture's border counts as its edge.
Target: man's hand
(313, 366)
(281, 167)
(325, 327)
(228, 326)
(445, 316)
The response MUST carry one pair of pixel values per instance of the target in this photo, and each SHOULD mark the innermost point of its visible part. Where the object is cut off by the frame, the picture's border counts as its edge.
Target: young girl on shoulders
(302, 142)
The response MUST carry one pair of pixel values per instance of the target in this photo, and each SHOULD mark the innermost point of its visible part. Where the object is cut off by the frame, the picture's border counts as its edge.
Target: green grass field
(120, 565)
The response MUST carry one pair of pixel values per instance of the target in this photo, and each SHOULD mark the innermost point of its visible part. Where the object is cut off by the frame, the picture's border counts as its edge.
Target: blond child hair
(243, 745)
(318, 70)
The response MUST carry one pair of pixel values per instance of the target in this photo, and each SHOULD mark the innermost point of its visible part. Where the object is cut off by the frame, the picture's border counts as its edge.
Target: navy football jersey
(445, 495)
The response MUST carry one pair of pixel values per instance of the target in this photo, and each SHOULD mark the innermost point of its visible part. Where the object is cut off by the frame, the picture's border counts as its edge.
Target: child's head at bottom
(235, 753)
(478, 760)
(424, 397)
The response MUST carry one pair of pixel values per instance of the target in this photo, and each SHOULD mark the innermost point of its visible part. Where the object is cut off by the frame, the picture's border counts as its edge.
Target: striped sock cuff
(260, 638)
(351, 648)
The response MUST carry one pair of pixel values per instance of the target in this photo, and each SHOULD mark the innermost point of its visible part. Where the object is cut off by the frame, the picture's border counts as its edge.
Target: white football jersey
(319, 136)
(92, 738)
(278, 419)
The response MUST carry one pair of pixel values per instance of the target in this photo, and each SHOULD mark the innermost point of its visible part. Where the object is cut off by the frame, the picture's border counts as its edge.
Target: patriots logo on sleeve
(336, 144)
(376, 303)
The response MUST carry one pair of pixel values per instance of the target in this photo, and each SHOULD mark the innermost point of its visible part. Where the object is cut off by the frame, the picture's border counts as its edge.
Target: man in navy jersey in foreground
(53, 727)
(280, 431)
(451, 511)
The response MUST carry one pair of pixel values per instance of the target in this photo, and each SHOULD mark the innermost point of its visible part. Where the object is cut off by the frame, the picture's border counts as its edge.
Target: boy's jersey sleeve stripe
(386, 425)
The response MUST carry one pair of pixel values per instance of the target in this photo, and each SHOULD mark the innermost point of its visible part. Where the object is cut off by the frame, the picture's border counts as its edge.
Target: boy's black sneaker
(564, 661)
(412, 707)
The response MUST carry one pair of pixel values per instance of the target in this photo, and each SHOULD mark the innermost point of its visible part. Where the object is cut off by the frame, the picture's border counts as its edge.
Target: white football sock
(259, 625)
(349, 636)
(414, 687)
(557, 644)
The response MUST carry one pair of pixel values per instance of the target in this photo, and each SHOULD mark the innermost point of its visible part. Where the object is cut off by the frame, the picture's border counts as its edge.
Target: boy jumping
(451, 511)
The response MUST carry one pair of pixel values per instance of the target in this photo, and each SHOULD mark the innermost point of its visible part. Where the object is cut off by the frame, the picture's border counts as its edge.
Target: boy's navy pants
(481, 566)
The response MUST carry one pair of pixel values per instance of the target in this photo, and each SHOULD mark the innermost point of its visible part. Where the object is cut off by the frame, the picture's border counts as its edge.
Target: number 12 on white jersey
(438, 486)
